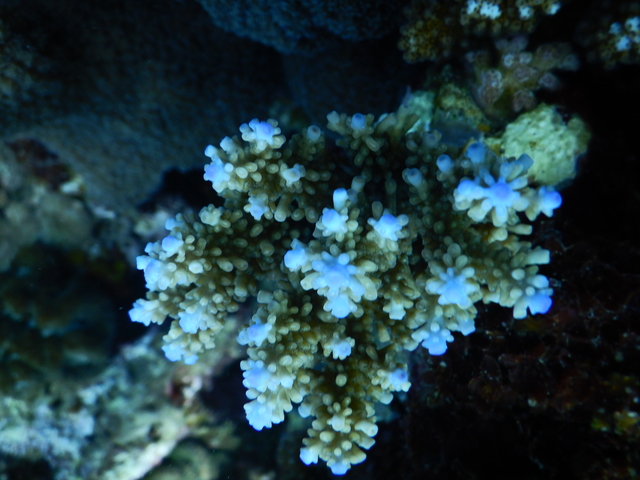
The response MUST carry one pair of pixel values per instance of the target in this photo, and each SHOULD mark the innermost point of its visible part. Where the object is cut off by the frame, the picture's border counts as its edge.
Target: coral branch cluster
(356, 253)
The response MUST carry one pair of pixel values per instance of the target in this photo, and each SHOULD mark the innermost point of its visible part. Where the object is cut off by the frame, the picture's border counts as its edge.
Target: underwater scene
(319, 239)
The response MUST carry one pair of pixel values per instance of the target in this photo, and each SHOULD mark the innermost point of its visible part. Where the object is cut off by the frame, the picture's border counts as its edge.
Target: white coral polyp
(388, 226)
(340, 347)
(255, 334)
(454, 288)
(265, 385)
(297, 258)
(156, 273)
(476, 152)
(313, 133)
(218, 173)
(535, 297)
(413, 177)
(358, 121)
(545, 200)
(171, 245)
(340, 197)
(399, 380)
(261, 134)
(293, 174)
(549, 200)
(146, 312)
(500, 197)
(257, 207)
(445, 164)
(337, 282)
(175, 351)
(333, 223)
(434, 336)
(262, 414)
(395, 309)
(256, 375)
(193, 318)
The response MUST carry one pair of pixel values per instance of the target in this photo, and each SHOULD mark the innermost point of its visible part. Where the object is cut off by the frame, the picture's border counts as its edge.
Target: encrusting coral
(554, 142)
(356, 252)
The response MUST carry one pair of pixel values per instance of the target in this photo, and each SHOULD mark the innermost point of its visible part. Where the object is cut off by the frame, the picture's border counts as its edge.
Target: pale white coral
(293, 174)
(262, 135)
(332, 223)
(434, 336)
(388, 226)
(217, 172)
(500, 195)
(257, 207)
(339, 346)
(299, 257)
(344, 293)
(454, 288)
(255, 334)
(336, 279)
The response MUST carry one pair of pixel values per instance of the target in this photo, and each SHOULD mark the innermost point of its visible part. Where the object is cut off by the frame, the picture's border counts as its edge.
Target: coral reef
(346, 280)
(358, 285)
(437, 28)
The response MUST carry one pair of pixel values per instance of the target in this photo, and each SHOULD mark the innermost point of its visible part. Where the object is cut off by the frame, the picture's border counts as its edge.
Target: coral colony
(355, 255)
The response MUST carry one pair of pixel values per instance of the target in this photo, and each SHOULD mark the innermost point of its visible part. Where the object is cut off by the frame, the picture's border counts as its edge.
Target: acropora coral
(356, 252)
(507, 86)
(611, 32)
(436, 28)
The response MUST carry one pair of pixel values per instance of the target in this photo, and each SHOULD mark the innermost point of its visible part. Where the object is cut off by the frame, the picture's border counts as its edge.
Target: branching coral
(611, 31)
(508, 86)
(436, 27)
(350, 267)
